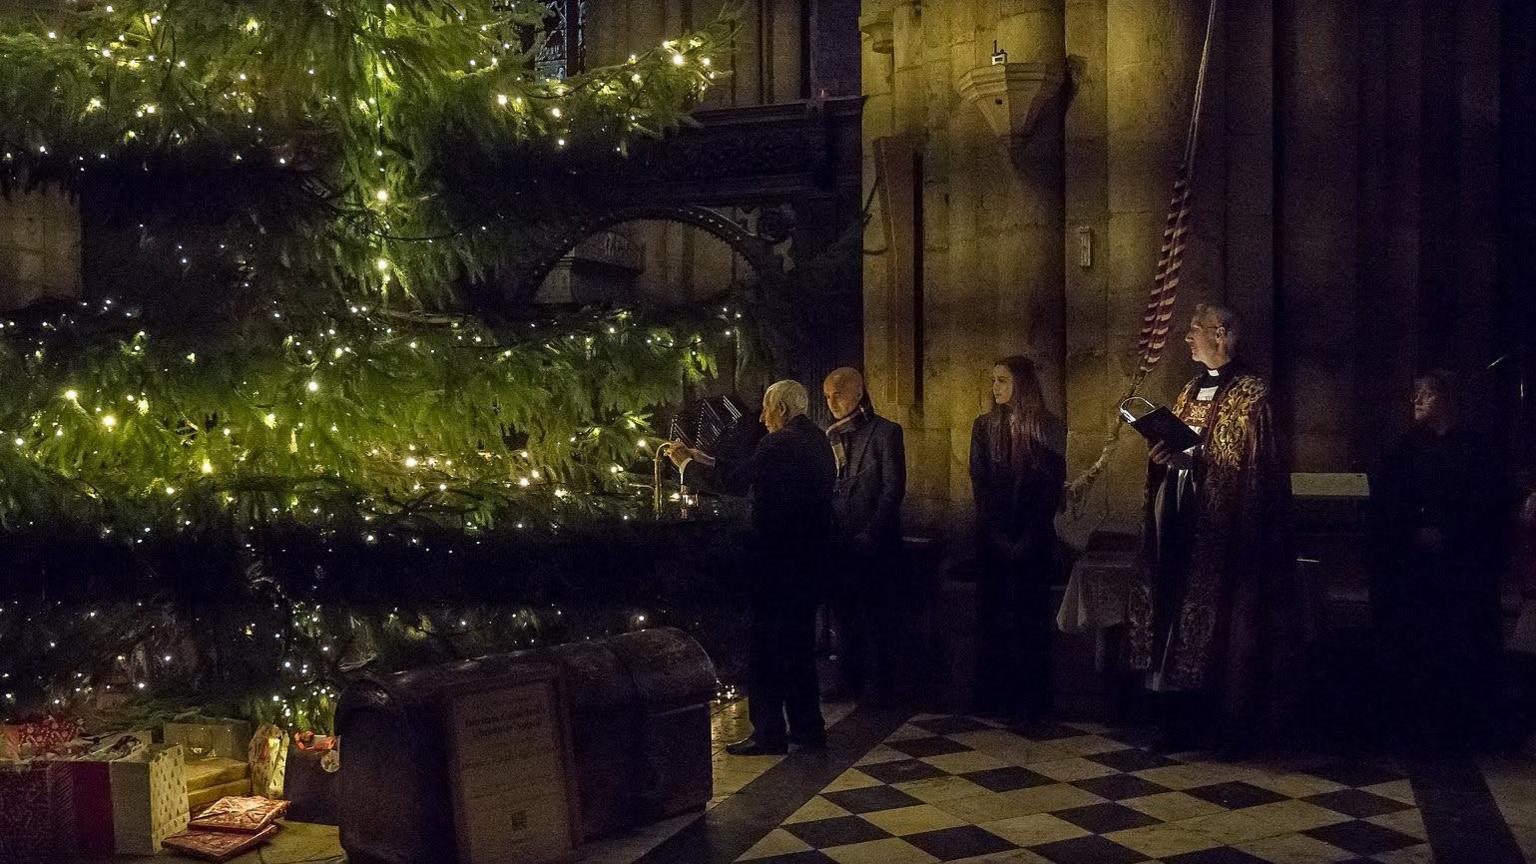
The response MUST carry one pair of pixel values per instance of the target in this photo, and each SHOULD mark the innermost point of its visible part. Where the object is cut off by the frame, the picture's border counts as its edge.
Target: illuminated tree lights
(289, 196)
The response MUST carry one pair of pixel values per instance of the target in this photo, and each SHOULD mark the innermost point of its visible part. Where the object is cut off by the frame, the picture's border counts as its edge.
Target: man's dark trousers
(781, 670)
(867, 603)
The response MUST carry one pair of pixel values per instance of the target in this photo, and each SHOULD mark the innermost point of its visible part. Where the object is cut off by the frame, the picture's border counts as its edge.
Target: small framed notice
(510, 769)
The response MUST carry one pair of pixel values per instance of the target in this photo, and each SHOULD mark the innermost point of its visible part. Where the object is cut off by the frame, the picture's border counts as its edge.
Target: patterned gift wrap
(268, 755)
(149, 799)
(218, 845)
(244, 815)
(55, 807)
(36, 738)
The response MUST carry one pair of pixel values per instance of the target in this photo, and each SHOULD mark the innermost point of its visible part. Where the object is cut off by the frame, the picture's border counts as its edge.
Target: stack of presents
(210, 789)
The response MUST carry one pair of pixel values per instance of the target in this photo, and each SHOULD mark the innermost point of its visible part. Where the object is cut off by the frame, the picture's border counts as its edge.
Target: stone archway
(756, 248)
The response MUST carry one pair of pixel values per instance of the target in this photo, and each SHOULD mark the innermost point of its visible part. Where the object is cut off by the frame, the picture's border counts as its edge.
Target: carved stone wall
(39, 248)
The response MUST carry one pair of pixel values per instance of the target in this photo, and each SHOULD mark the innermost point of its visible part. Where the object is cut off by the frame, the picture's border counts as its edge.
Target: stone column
(1319, 129)
(1087, 349)
(1152, 56)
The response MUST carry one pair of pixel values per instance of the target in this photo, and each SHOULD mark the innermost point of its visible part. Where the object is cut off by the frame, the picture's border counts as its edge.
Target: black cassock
(789, 476)
(1438, 532)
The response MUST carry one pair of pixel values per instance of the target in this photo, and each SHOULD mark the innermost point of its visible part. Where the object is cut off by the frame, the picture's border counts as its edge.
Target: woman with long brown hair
(1017, 471)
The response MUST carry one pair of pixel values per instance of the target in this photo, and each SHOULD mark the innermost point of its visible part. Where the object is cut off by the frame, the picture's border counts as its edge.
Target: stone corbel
(877, 26)
(1017, 99)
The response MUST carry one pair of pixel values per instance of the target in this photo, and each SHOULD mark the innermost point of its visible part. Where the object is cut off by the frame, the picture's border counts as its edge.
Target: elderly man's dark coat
(789, 476)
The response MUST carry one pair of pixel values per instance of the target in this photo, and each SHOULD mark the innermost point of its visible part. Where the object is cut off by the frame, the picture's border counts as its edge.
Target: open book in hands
(1158, 425)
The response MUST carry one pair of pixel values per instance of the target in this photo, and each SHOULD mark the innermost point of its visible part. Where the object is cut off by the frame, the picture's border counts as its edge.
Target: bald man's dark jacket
(790, 475)
(873, 481)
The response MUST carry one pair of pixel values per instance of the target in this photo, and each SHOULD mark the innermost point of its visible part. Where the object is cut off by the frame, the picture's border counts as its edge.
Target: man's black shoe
(754, 747)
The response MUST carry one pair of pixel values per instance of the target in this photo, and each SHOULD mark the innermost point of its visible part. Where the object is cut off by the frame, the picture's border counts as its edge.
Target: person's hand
(1163, 455)
(679, 453)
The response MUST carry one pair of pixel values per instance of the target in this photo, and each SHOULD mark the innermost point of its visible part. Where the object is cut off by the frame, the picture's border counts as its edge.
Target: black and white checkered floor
(952, 788)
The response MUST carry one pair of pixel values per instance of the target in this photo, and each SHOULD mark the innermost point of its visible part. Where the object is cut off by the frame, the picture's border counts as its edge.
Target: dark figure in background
(1017, 472)
(1439, 531)
(1216, 618)
(789, 477)
(867, 581)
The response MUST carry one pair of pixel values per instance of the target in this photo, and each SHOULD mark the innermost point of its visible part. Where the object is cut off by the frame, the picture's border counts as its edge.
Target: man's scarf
(839, 433)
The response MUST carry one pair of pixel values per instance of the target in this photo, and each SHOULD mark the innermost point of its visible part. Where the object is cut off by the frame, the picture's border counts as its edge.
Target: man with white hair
(1216, 616)
(789, 476)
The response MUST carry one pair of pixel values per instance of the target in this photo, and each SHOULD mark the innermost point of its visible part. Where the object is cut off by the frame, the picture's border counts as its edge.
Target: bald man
(866, 503)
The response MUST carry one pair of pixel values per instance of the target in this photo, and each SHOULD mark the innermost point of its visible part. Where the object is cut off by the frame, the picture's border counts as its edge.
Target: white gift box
(149, 799)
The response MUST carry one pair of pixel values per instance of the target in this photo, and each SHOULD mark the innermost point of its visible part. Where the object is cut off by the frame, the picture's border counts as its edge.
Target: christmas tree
(279, 376)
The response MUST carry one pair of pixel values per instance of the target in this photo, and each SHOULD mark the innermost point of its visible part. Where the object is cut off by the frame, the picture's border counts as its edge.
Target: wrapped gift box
(39, 737)
(38, 821)
(209, 780)
(199, 800)
(218, 845)
(242, 815)
(268, 755)
(149, 799)
(62, 808)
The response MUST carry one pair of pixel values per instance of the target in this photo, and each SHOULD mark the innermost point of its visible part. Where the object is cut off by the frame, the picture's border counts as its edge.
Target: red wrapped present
(53, 810)
(218, 845)
(246, 815)
(33, 738)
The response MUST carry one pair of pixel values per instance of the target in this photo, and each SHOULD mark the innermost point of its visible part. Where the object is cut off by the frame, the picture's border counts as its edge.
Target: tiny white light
(314, 386)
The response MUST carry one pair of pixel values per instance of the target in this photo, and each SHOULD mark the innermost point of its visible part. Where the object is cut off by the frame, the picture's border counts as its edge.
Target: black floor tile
(1356, 803)
(1118, 787)
(951, 725)
(826, 833)
(966, 841)
(1007, 779)
(1130, 760)
(811, 857)
(870, 799)
(1219, 855)
(1106, 817)
(902, 770)
(1356, 773)
(1088, 850)
(1235, 795)
(1362, 838)
(934, 746)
